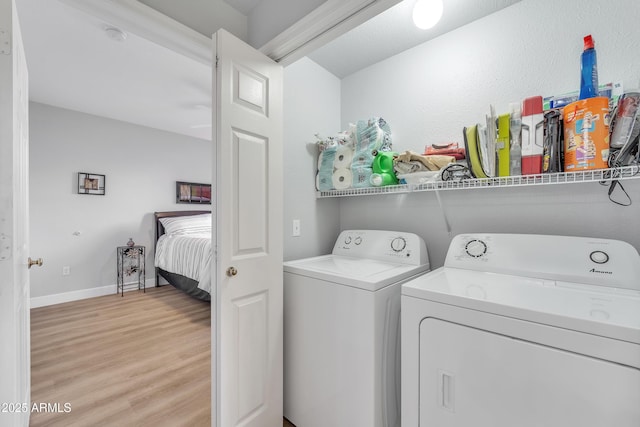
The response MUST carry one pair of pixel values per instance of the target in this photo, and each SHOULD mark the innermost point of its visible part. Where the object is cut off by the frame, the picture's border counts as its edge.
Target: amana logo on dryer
(593, 270)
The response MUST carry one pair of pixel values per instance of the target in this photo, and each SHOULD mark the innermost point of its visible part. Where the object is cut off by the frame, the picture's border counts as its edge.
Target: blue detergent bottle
(589, 70)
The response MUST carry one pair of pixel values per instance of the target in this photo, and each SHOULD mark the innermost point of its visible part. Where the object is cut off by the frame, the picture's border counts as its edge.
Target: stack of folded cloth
(409, 162)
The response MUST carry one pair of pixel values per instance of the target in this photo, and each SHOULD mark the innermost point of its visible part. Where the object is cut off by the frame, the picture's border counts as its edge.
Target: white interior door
(247, 323)
(14, 223)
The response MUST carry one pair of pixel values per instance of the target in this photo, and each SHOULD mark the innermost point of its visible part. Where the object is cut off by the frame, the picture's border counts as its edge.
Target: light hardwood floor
(135, 361)
(141, 360)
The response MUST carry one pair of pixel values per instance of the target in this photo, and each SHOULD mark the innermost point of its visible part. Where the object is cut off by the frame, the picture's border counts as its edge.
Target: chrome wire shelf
(600, 175)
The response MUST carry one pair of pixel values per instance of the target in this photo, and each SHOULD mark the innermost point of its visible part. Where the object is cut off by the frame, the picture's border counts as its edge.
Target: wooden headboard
(159, 229)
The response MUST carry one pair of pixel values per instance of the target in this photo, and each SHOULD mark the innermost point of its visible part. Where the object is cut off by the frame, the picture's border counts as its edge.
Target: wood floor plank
(140, 360)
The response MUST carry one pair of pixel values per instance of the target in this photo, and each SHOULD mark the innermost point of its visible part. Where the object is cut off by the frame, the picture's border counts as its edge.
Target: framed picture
(192, 192)
(90, 183)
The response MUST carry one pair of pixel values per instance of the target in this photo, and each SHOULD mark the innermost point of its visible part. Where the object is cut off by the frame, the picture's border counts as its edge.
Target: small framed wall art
(91, 183)
(192, 192)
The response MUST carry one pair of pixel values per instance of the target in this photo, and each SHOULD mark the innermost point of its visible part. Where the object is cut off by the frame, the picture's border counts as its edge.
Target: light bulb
(427, 13)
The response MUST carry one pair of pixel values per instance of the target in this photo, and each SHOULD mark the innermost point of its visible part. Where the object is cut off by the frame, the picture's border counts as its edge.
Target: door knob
(31, 263)
(231, 271)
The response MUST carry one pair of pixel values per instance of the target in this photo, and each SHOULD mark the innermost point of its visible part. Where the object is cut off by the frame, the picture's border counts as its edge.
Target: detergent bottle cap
(588, 42)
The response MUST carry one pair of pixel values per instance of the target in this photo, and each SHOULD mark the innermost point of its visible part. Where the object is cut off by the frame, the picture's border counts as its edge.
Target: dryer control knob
(475, 248)
(599, 257)
(398, 244)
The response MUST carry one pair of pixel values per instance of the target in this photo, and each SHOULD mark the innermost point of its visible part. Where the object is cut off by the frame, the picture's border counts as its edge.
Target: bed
(183, 253)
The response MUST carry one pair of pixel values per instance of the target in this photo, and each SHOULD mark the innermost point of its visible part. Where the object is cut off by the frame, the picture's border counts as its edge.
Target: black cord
(455, 172)
(610, 174)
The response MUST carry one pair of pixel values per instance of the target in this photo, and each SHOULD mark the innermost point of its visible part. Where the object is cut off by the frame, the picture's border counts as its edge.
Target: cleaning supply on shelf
(474, 162)
(586, 134)
(503, 145)
(553, 148)
(532, 122)
(383, 173)
(487, 137)
(625, 120)
(515, 148)
(588, 70)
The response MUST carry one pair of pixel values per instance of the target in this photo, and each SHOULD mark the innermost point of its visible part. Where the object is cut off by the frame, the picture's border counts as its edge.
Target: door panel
(251, 315)
(473, 377)
(247, 323)
(250, 89)
(14, 221)
(250, 159)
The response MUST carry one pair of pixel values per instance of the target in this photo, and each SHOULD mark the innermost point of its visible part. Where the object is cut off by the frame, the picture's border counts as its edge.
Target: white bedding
(188, 255)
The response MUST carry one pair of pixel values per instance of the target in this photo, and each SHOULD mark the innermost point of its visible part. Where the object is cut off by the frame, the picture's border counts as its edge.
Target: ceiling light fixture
(115, 34)
(427, 13)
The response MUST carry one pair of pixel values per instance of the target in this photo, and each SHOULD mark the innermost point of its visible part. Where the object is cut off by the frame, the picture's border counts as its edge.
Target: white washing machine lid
(608, 312)
(363, 273)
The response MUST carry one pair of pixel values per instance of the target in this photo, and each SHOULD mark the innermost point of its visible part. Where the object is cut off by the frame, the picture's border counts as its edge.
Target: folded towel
(409, 162)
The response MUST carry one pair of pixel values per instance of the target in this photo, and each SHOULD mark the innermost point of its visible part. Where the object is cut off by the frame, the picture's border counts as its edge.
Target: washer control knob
(398, 244)
(599, 257)
(475, 248)
(358, 240)
(347, 240)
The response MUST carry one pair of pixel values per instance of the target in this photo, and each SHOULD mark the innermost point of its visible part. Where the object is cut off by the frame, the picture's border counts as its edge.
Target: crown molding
(327, 22)
(146, 22)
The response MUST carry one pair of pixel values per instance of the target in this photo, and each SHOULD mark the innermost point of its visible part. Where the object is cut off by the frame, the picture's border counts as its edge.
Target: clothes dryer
(524, 330)
(341, 330)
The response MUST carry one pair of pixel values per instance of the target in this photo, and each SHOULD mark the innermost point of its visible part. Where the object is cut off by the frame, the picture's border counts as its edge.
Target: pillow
(187, 224)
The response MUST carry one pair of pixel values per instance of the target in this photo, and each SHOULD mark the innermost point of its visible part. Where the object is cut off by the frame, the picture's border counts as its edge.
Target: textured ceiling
(393, 32)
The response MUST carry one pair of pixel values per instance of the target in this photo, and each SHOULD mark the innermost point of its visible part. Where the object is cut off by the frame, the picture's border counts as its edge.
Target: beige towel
(410, 161)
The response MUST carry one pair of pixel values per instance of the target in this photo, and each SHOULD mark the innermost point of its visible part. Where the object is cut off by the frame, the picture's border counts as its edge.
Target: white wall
(141, 167)
(311, 105)
(427, 94)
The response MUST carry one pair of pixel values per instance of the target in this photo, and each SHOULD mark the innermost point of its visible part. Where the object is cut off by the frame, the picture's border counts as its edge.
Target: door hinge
(217, 61)
(5, 41)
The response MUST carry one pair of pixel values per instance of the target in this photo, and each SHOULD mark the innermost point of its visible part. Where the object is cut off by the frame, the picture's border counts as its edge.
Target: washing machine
(341, 330)
(524, 330)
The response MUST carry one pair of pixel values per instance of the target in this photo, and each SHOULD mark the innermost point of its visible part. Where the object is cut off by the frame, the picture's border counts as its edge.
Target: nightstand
(130, 266)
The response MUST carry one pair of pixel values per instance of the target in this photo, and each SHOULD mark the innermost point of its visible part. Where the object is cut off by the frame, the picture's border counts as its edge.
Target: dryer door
(471, 377)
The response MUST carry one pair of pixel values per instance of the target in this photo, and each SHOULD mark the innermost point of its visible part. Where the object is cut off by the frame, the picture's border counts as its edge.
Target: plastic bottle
(588, 70)
(515, 150)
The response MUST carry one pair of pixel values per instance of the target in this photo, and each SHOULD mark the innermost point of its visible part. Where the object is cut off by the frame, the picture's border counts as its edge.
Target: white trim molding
(83, 294)
(327, 22)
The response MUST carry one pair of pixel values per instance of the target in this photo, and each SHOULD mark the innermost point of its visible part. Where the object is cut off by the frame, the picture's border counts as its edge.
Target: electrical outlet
(296, 228)
(66, 270)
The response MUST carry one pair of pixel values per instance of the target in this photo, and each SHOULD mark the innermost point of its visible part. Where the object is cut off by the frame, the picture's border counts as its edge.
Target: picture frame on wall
(193, 192)
(91, 183)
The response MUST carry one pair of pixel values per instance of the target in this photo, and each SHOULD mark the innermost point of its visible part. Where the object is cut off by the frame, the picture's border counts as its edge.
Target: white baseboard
(82, 294)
